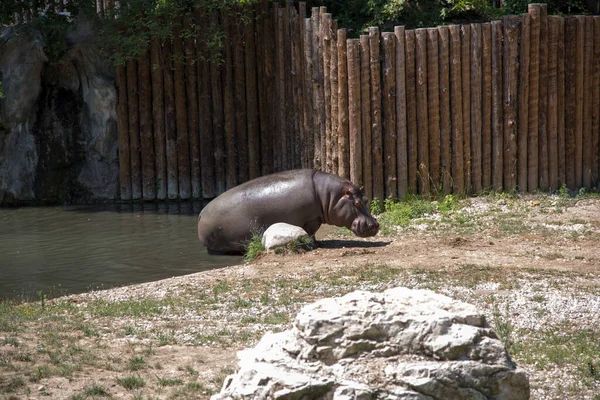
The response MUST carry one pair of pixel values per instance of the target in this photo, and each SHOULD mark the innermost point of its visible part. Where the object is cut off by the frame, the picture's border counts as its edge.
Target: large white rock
(280, 234)
(399, 344)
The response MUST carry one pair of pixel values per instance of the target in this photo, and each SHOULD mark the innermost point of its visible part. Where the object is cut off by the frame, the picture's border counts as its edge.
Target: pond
(73, 249)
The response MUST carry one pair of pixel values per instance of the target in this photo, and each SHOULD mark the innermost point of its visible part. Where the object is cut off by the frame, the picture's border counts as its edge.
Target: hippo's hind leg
(311, 227)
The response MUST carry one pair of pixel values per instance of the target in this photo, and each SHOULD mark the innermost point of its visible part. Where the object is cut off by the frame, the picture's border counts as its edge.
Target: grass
(255, 247)
(131, 382)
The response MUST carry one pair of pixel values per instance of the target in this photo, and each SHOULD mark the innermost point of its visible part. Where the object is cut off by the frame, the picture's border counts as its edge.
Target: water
(63, 250)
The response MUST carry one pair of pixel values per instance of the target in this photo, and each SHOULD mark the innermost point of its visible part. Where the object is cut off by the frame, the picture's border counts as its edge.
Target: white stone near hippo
(399, 344)
(281, 234)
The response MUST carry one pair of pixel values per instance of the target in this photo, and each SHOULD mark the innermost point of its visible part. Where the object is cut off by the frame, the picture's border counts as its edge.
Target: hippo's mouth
(365, 227)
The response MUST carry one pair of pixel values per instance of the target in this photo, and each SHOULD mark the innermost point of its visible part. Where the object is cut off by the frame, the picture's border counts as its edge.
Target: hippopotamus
(305, 197)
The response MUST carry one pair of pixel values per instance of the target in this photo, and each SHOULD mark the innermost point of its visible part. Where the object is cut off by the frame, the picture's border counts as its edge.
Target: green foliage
(254, 247)
(298, 245)
(401, 213)
(131, 382)
(359, 15)
(1, 90)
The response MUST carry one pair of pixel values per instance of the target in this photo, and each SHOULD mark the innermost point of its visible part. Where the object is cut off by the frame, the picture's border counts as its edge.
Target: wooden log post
(552, 116)
(284, 134)
(191, 87)
(134, 130)
(465, 45)
(456, 111)
(445, 113)
(206, 142)
(343, 128)
(354, 112)
(376, 121)
(170, 123)
(312, 133)
(146, 133)
(269, 121)
(218, 121)
(588, 58)
(596, 105)
(570, 100)
(401, 127)
(510, 68)
(534, 97)
(228, 103)
(523, 102)
(422, 108)
(183, 146)
(561, 102)
(365, 112)
(543, 100)
(123, 127)
(486, 106)
(333, 76)
(252, 92)
(289, 119)
(158, 115)
(296, 37)
(476, 101)
(411, 112)
(239, 100)
(389, 115)
(497, 108)
(326, 45)
(318, 87)
(579, 90)
(433, 109)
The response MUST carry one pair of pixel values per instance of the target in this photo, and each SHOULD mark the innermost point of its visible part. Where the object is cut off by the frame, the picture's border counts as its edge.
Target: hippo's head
(351, 211)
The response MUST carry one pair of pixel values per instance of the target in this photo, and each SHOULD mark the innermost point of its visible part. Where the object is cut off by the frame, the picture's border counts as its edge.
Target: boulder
(58, 121)
(280, 234)
(399, 344)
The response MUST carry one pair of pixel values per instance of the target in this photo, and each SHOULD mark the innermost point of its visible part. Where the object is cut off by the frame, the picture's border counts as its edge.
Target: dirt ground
(550, 245)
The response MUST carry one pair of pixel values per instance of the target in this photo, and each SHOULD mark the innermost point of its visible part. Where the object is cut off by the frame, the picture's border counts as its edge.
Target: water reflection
(63, 250)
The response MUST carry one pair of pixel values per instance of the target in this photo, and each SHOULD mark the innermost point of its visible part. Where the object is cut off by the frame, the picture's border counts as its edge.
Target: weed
(276, 319)
(11, 385)
(169, 381)
(255, 247)
(136, 363)
(504, 327)
(131, 382)
(95, 390)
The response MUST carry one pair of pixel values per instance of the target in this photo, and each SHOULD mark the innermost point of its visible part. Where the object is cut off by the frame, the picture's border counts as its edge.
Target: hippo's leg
(311, 227)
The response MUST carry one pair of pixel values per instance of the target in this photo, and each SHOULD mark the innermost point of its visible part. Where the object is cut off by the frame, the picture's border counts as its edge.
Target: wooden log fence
(509, 105)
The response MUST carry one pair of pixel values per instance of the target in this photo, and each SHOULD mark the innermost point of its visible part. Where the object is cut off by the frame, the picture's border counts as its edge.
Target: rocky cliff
(58, 123)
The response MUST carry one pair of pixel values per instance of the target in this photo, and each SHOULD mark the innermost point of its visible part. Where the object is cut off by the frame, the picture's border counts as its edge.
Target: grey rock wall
(58, 125)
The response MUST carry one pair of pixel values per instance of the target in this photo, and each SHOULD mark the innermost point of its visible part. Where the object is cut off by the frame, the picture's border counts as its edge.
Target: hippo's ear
(348, 194)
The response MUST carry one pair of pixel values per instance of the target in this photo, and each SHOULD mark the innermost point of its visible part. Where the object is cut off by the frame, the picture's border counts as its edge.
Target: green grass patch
(137, 363)
(133, 308)
(401, 213)
(255, 247)
(131, 382)
(12, 384)
(562, 346)
(169, 381)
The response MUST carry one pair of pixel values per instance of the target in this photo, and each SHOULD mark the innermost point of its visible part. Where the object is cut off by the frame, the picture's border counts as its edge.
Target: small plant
(504, 327)
(255, 247)
(131, 382)
(136, 363)
(169, 381)
(96, 390)
(376, 206)
(42, 297)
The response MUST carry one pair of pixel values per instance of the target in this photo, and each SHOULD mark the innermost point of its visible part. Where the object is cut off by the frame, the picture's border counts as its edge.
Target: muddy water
(62, 250)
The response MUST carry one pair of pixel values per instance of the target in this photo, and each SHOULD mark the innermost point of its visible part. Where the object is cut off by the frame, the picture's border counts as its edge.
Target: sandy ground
(548, 245)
